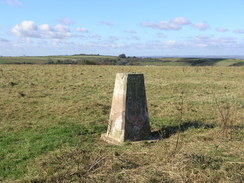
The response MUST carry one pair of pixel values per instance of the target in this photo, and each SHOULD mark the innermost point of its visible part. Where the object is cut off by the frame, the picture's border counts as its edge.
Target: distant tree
(122, 55)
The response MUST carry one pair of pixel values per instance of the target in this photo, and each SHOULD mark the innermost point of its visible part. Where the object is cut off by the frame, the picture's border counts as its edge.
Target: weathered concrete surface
(129, 118)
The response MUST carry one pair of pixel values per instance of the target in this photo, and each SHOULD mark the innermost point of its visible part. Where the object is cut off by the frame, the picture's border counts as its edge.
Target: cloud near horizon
(199, 44)
(30, 29)
(174, 24)
(207, 41)
(131, 41)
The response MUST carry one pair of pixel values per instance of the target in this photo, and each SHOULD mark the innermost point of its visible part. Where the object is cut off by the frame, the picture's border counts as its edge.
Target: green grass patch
(18, 149)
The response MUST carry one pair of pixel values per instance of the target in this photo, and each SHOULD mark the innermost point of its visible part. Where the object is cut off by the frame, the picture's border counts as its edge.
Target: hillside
(113, 60)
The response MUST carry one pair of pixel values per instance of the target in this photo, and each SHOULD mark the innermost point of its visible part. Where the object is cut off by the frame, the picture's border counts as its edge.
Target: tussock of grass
(51, 119)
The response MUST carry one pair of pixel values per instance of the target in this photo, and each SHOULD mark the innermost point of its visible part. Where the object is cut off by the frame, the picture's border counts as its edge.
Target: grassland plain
(52, 116)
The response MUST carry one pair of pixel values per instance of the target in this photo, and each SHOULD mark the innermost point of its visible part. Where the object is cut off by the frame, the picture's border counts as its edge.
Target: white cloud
(80, 29)
(110, 24)
(30, 29)
(45, 27)
(26, 29)
(65, 21)
(13, 2)
(201, 26)
(174, 24)
(239, 31)
(221, 29)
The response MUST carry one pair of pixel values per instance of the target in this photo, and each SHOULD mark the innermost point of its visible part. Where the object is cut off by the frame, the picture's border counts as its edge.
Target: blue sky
(111, 27)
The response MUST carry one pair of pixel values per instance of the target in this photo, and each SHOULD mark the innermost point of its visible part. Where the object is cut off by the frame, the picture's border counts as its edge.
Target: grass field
(52, 116)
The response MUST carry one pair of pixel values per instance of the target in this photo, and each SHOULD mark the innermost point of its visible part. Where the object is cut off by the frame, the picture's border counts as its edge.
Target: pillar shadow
(167, 131)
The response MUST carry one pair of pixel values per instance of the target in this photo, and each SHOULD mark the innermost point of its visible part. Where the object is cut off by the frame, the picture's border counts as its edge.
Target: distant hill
(96, 59)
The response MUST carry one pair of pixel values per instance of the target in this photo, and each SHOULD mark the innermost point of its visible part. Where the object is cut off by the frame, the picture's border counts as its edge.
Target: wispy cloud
(135, 38)
(130, 31)
(174, 24)
(221, 29)
(239, 31)
(13, 2)
(202, 26)
(132, 37)
(195, 43)
(110, 24)
(174, 44)
(65, 21)
(30, 29)
(95, 36)
(3, 40)
(81, 29)
(113, 38)
(208, 41)
(180, 21)
(161, 35)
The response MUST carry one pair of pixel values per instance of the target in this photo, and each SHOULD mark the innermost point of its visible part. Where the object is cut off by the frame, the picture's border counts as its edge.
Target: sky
(112, 27)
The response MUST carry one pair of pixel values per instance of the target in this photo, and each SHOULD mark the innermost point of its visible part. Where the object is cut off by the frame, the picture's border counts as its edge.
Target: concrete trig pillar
(129, 118)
